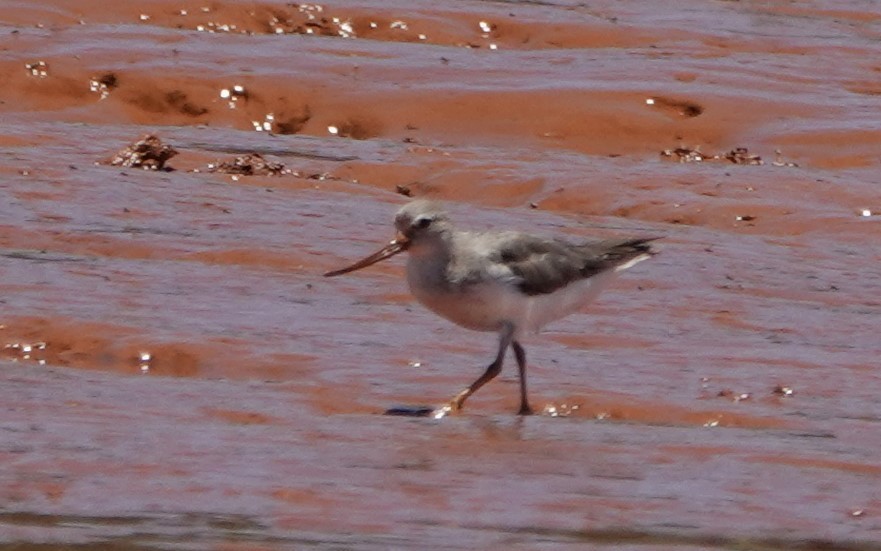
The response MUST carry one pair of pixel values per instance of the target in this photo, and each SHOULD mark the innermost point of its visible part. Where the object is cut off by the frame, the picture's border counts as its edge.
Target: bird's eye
(423, 223)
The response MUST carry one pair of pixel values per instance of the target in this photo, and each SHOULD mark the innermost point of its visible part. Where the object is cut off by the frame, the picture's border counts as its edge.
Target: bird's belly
(540, 310)
(486, 307)
(480, 308)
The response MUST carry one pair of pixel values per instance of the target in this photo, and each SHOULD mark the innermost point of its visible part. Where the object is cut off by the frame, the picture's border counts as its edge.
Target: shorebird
(511, 283)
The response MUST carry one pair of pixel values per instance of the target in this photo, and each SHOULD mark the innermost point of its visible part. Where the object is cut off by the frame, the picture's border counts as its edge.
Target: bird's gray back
(536, 265)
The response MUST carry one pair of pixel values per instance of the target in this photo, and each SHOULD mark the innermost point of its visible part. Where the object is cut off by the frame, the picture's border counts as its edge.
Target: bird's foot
(454, 405)
(441, 412)
(525, 410)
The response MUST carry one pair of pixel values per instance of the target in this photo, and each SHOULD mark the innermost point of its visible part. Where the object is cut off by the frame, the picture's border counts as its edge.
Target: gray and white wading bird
(508, 282)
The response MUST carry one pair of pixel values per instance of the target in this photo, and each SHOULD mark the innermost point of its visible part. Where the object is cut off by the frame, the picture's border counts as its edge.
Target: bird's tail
(628, 252)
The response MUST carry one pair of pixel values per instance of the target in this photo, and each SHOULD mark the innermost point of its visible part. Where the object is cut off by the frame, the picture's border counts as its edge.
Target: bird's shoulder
(511, 257)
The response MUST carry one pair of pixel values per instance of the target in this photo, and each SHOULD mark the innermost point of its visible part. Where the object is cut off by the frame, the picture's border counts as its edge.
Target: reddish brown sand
(723, 395)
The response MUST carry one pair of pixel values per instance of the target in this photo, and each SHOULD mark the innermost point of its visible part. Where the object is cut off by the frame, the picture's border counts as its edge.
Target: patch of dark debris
(738, 156)
(252, 164)
(148, 153)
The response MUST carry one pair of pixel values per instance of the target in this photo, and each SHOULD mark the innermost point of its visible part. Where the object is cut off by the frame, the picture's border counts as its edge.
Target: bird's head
(418, 224)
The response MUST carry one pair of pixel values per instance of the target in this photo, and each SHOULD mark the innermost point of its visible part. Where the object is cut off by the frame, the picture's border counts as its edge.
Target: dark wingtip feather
(629, 248)
(643, 244)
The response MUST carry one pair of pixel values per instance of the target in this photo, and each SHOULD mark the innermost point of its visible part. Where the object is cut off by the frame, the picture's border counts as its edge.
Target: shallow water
(176, 373)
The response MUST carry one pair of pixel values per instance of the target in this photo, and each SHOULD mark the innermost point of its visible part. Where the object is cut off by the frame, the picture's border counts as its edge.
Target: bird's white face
(415, 223)
(410, 226)
(423, 224)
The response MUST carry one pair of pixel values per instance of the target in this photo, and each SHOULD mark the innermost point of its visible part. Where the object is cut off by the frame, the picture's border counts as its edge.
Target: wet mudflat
(176, 374)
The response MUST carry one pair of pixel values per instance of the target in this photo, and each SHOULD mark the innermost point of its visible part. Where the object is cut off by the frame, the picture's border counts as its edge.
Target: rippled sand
(175, 373)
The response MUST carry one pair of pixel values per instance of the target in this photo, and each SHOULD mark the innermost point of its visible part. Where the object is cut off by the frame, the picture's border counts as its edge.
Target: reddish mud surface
(176, 373)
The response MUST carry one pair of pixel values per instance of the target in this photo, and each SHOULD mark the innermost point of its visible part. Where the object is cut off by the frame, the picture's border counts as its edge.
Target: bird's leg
(520, 354)
(492, 370)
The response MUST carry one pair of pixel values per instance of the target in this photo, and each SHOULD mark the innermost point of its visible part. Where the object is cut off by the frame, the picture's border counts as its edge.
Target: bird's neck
(428, 263)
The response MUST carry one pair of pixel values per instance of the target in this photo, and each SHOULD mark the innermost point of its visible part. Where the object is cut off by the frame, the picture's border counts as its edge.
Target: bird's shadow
(410, 411)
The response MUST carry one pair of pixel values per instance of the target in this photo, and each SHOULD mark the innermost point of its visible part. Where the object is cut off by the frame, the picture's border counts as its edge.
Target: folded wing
(543, 266)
